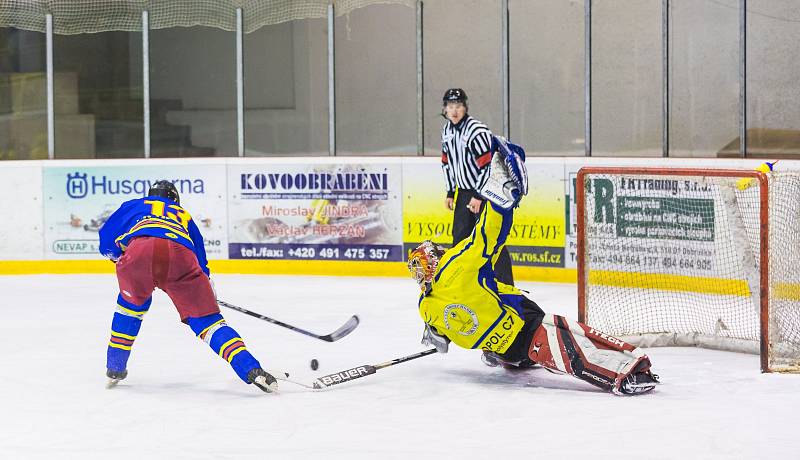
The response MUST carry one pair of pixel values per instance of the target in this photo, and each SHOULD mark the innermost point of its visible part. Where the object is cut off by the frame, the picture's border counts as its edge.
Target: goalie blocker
(507, 179)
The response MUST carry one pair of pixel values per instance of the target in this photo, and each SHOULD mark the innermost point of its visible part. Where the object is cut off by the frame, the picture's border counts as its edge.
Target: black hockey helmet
(164, 189)
(454, 95)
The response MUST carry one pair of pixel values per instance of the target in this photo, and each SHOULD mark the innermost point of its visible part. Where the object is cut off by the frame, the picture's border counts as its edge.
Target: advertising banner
(571, 244)
(537, 236)
(315, 211)
(21, 230)
(78, 200)
(654, 224)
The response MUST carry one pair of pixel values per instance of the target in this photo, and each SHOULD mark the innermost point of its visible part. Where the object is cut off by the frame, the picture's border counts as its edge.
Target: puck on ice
(314, 364)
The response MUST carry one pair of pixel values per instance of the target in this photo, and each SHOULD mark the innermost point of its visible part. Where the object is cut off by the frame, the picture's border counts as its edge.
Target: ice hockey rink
(181, 401)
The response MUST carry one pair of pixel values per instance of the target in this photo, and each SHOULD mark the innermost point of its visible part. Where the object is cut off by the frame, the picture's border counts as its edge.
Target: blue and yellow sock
(225, 342)
(124, 329)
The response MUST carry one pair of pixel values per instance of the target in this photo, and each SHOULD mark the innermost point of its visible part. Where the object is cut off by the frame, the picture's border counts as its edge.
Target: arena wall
(317, 216)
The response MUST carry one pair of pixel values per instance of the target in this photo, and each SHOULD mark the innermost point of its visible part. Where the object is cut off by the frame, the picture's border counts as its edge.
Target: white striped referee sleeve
(449, 179)
(481, 147)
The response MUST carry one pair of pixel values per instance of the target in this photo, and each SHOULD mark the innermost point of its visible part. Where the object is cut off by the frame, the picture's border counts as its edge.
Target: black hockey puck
(314, 364)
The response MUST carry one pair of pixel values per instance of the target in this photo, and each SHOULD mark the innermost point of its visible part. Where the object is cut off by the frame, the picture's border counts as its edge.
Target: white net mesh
(784, 271)
(675, 259)
(92, 16)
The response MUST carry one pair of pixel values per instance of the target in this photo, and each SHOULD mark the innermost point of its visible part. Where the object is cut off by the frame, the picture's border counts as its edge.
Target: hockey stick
(345, 329)
(361, 371)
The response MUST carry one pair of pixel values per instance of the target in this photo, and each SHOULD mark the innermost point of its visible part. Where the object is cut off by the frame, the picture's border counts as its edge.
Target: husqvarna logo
(81, 185)
(77, 185)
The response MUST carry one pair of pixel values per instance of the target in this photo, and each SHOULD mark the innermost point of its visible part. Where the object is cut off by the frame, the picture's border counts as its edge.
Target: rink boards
(348, 216)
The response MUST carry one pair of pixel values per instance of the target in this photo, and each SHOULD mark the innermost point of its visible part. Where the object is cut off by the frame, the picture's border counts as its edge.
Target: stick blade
(330, 380)
(346, 329)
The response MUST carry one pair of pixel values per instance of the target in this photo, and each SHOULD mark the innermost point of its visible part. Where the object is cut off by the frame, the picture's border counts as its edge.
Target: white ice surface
(181, 401)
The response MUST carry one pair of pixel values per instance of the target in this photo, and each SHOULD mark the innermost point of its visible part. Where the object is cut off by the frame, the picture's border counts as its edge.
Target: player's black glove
(430, 337)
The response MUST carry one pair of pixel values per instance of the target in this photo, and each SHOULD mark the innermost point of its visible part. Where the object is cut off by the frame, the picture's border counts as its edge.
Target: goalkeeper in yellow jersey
(462, 301)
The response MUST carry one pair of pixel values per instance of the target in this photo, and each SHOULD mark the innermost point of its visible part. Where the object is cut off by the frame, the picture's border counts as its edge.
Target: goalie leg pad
(562, 345)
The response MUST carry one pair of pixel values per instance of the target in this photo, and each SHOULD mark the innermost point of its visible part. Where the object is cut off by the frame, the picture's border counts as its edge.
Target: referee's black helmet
(454, 95)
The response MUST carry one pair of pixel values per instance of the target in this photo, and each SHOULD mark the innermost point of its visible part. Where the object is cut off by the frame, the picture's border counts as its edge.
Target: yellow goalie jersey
(465, 303)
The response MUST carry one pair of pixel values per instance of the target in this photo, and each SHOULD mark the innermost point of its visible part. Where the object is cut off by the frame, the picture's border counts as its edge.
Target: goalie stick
(330, 380)
(345, 329)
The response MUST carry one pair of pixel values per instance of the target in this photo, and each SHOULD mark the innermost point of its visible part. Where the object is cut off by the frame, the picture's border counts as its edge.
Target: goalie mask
(423, 261)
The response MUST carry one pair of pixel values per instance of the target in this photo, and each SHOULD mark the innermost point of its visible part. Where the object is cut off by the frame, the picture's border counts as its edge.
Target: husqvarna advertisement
(78, 201)
(315, 212)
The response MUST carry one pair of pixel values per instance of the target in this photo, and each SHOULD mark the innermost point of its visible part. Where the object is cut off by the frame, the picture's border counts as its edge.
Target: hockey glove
(432, 338)
(507, 179)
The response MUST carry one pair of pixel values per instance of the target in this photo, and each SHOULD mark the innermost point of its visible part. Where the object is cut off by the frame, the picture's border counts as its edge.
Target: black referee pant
(464, 222)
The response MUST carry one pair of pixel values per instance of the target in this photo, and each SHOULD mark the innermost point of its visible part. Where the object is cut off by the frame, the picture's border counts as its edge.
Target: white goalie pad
(573, 348)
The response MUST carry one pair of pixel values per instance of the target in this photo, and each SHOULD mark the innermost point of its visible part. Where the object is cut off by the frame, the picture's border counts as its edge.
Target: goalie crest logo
(461, 319)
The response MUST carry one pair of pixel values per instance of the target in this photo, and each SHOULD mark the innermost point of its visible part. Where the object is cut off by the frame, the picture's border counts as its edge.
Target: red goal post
(678, 256)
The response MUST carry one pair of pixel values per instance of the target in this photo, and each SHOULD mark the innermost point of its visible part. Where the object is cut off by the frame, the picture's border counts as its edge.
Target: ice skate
(639, 383)
(640, 380)
(493, 360)
(114, 377)
(523, 365)
(263, 380)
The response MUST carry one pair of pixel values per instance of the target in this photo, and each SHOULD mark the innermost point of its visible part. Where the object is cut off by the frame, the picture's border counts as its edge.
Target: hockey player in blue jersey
(155, 244)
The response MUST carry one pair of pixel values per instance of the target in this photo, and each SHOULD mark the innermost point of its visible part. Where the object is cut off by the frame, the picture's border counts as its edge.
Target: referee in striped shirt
(466, 154)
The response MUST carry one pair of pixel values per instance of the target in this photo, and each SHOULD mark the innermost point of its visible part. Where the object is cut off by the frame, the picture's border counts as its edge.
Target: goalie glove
(432, 338)
(507, 179)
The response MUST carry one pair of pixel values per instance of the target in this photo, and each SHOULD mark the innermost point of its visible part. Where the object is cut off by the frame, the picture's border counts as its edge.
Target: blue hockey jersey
(151, 216)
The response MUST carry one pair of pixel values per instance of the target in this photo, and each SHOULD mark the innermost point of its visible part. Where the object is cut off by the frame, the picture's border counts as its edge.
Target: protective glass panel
(462, 42)
(97, 87)
(773, 72)
(626, 78)
(704, 74)
(286, 89)
(376, 81)
(23, 95)
(546, 81)
(193, 92)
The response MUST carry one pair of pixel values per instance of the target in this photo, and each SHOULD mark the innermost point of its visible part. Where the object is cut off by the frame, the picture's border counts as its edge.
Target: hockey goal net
(690, 257)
